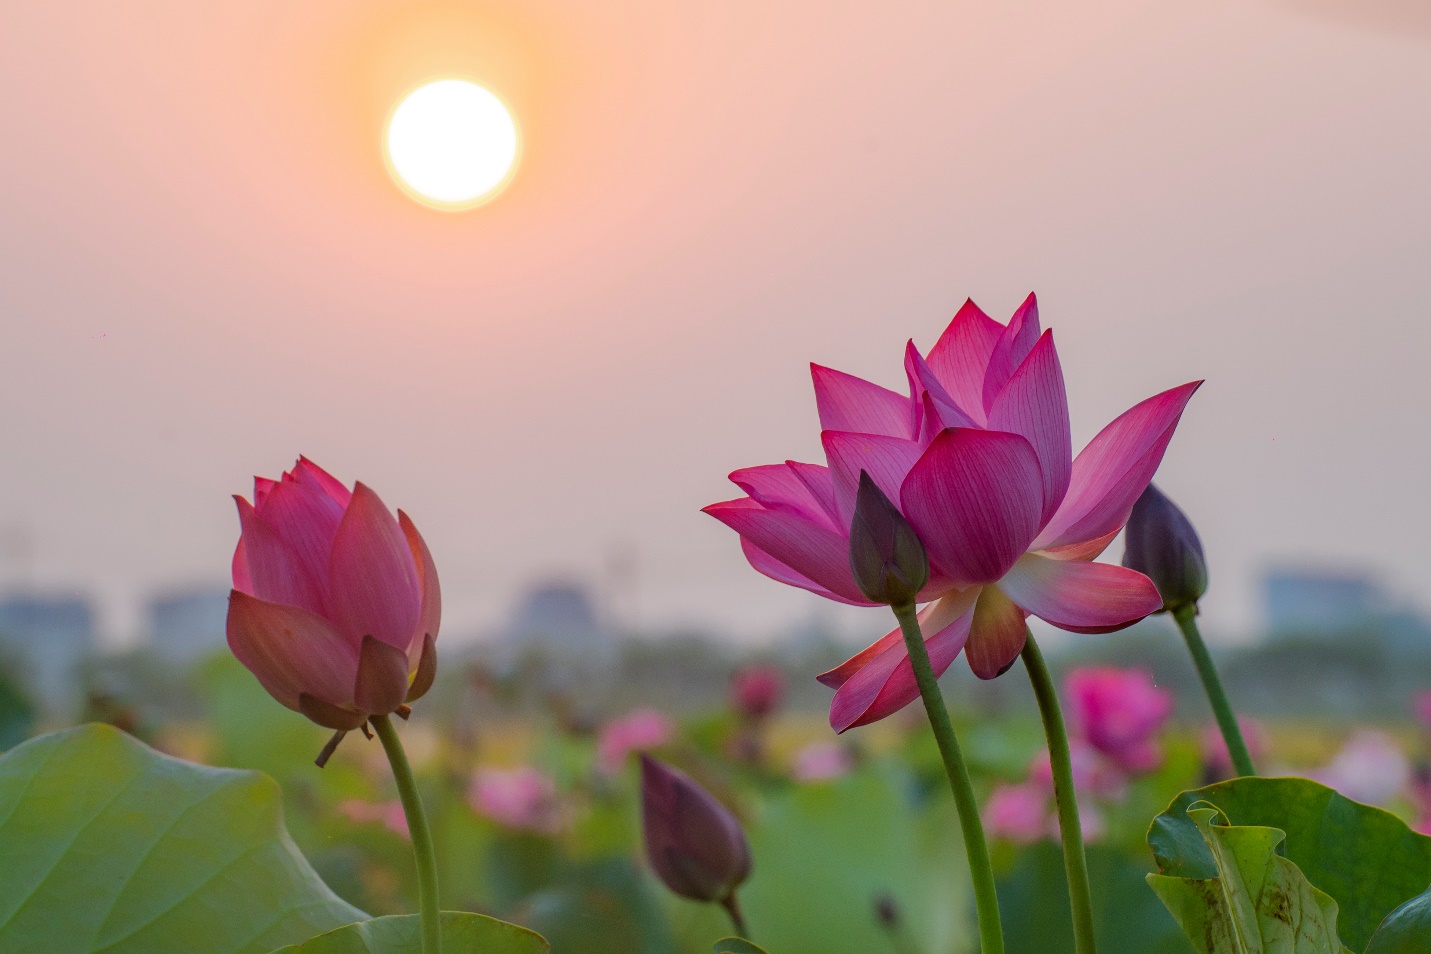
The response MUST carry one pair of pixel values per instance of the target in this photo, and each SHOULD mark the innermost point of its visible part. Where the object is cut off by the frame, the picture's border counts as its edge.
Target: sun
(451, 144)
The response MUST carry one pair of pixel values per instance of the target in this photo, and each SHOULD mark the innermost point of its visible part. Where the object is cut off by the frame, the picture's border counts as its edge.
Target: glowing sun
(451, 144)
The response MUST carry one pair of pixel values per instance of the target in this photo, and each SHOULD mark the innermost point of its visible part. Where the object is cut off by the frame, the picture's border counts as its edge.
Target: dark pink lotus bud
(1163, 546)
(756, 690)
(886, 557)
(694, 843)
(335, 605)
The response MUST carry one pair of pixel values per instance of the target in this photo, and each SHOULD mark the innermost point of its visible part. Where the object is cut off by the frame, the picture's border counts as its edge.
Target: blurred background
(205, 270)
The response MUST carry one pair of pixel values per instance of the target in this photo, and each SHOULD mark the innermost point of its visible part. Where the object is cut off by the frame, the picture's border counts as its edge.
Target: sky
(205, 270)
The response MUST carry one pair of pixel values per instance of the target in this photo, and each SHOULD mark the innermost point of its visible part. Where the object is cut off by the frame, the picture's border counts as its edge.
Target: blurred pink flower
(1421, 706)
(1019, 813)
(523, 798)
(978, 457)
(821, 762)
(1093, 773)
(389, 814)
(1214, 746)
(335, 605)
(637, 731)
(1370, 768)
(756, 690)
(1120, 713)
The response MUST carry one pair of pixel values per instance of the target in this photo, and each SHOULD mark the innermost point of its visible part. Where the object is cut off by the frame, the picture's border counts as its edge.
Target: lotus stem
(1186, 617)
(1075, 861)
(421, 836)
(986, 898)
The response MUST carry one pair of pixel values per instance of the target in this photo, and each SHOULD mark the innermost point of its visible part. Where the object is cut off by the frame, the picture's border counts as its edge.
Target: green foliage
(1256, 903)
(111, 846)
(736, 945)
(602, 908)
(400, 934)
(1407, 930)
(825, 853)
(1033, 901)
(1366, 859)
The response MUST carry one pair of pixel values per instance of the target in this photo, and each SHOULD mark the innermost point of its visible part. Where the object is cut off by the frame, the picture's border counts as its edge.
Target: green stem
(1075, 864)
(991, 934)
(737, 919)
(1186, 617)
(417, 828)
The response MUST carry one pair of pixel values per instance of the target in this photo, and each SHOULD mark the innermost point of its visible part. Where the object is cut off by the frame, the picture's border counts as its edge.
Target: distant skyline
(205, 271)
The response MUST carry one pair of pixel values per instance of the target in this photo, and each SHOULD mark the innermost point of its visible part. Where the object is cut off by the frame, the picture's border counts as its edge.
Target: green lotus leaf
(1257, 902)
(112, 847)
(402, 934)
(1365, 858)
(737, 945)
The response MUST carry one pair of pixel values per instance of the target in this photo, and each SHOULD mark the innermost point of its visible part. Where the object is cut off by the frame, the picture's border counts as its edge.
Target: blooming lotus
(1120, 713)
(335, 603)
(978, 457)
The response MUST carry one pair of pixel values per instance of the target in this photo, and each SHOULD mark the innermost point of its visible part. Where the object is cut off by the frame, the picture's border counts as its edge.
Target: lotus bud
(1163, 546)
(694, 843)
(335, 603)
(1406, 929)
(886, 555)
(756, 690)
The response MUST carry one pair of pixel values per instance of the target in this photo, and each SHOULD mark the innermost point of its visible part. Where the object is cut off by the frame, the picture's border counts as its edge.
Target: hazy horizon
(206, 271)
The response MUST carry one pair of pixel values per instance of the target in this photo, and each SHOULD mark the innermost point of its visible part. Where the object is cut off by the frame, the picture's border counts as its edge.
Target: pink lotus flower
(978, 457)
(1120, 712)
(335, 605)
(1021, 814)
(637, 731)
(822, 762)
(1421, 707)
(1370, 768)
(523, 798)
(1214, 746)
(756, 690)
(1093, 773)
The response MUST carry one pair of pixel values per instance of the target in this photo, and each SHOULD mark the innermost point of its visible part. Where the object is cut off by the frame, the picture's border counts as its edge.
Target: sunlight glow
(451, 144)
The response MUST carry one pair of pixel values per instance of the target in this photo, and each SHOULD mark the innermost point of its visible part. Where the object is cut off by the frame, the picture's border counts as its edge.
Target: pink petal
(773, 568)
(1114, 469)
(242, 581)
(886, 459)
(1079, 596)
(1013, 346)
(960, 358)
(885, 682)
(996, 636)
(308, 473)
(275, 571)
(925, 384)
(305, 518)
(817, 479)
(261, 487)
(373, 581)
(813, 550)
(1034, 404)
(430, 616)
(292, 651)
(1087, 550)
(848, 403)
(782, 487)
(975, 499)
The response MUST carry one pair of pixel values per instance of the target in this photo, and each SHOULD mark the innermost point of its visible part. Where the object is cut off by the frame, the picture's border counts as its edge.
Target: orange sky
(204, 269)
